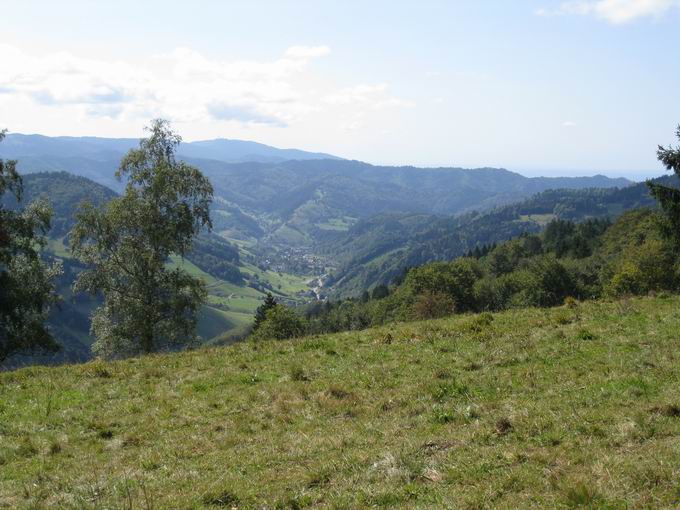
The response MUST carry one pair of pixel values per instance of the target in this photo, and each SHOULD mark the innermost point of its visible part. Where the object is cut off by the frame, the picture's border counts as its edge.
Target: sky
(543, 87)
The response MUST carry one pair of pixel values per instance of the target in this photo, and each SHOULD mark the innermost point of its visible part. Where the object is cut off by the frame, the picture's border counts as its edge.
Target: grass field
(340, 224)
(282, 283)
(562, 408)
(242, 302)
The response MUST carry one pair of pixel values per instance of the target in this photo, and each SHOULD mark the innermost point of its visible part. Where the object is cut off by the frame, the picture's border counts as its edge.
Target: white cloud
(203, 95)
(187, 86)
(352, 125)
(614, 11)
(568, 124)
(183, 85)
(242, 113)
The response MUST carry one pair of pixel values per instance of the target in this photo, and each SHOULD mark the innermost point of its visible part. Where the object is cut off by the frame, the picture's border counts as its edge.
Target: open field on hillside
(560, 408)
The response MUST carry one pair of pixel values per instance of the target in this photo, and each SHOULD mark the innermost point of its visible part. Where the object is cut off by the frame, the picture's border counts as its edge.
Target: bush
(380, 292)
(454, 279)
(570, 302)
(506, 257)
(280, 323)
(431, 305)
(648, 267)
(545, 282)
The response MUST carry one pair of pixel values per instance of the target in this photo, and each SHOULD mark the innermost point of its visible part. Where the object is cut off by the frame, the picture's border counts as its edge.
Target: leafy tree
(26, 281)
(280, 323)
(431, 305)
(128, 243)
(455, 279)
(648, 267)
(551, 282)
(669, 197)
(504, 259)
(261, 312)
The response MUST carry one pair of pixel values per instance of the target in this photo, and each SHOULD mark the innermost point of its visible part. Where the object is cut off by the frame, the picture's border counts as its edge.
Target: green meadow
(570, 407)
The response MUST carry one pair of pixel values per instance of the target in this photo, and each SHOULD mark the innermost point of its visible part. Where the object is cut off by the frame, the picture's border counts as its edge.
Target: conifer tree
(669, 197)
(261, 312)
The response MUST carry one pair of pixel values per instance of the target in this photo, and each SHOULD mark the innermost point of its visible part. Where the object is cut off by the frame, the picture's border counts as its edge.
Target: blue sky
(538, 86)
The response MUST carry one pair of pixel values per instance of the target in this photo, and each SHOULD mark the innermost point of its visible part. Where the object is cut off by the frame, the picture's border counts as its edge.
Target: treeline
(376, 250)
(568, 261)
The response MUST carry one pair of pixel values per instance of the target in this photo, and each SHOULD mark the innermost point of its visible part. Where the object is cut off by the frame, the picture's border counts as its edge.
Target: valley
(280, 255)
(311, 229)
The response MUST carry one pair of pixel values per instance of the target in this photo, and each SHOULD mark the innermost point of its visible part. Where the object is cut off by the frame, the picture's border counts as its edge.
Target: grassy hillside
(560, 408)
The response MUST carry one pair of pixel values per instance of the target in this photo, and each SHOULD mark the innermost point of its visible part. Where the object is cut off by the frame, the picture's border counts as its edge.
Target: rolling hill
(20, 146)
(285, 197)
(376, 250)
(559, 408)
(276, 216)
(303, 202)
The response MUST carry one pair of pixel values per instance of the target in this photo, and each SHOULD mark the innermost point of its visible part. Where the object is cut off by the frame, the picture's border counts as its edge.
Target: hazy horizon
(633, 175)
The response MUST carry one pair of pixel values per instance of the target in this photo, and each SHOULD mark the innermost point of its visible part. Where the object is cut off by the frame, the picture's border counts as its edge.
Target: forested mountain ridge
(291, 198)
(373, 251)
(376, 250)
(361, 190)
(65, 192)
(270, 205)
(303, 202)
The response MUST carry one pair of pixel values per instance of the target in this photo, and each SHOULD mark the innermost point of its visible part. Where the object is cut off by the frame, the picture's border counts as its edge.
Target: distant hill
(105, 149)
(65, 192)
(303, 202)
(376, 250)
(222, 149)
(287, 197)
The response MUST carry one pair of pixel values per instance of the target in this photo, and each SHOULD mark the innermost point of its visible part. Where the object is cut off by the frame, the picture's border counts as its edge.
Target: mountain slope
(65, 192)
(362, 190)
(378, 249)
(289, 198)
(235, 288)
(222, 149)
(558, 408)
(303, 202)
